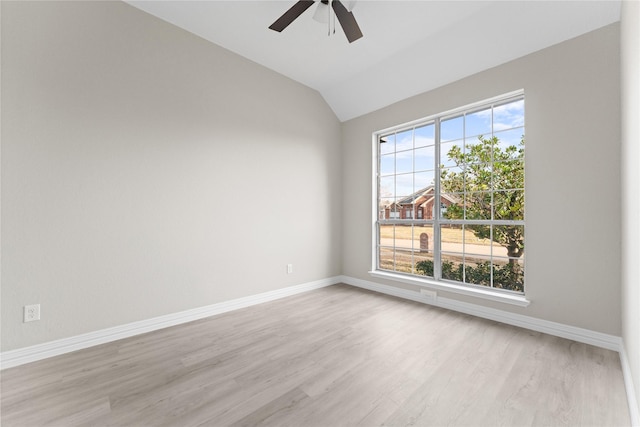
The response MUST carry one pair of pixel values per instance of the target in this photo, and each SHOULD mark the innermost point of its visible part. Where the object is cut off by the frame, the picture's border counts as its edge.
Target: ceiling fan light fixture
(321, 14)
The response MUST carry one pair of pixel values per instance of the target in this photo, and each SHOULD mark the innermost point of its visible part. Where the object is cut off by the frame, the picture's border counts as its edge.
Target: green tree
(485, 171)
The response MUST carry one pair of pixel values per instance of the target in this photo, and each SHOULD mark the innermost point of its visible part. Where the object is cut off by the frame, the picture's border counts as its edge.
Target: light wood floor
(332, 357)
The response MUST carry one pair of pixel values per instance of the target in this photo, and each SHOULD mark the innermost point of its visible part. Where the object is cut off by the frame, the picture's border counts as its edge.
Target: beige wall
(146, 171)
(572, 177)
(630, 45)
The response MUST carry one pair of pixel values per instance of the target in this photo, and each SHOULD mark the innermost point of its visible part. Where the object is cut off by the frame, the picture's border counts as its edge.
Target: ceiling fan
(345, 17)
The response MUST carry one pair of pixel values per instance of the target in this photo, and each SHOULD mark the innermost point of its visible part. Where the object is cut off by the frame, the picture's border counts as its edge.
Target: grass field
(450, 235)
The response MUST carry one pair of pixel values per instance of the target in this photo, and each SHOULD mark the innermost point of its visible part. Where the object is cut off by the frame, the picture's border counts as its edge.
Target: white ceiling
(408, 47)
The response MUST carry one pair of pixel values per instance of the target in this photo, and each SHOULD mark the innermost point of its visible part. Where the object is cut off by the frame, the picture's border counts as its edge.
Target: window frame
(496, 294)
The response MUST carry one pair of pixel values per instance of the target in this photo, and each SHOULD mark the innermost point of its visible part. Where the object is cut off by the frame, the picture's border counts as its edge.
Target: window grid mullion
(491, 254)
(413, 202)
(493, 188)
(378, 178)
(437, 244)
(464, 192)
(395, 194)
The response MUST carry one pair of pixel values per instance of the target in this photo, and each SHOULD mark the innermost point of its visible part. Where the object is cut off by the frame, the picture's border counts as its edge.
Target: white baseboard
(21, 356)
(634, 411)
(610, 342)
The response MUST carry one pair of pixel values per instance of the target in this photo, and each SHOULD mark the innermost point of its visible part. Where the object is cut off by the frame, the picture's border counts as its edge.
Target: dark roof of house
(412, 198)
(409, 200)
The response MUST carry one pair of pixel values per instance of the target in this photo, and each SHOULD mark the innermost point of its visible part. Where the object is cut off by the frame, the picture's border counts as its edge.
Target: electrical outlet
(429, 293)
(289, 268)
(31, 313)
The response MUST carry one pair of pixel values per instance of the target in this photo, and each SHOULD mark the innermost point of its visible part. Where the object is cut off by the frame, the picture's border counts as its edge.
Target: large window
(450, 196)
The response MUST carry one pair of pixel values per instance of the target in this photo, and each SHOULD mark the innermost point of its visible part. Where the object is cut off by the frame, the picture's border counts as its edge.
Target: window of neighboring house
(470, 162)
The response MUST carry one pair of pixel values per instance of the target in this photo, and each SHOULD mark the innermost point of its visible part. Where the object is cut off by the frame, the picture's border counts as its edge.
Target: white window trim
(470, 290)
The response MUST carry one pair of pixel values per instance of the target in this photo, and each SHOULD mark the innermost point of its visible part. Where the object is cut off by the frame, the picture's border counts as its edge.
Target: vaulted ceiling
(408, 47)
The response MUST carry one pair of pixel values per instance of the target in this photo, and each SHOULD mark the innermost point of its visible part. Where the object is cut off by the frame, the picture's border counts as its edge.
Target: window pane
(451, 266)
(386, 259)
(479, 150)
(451, 153)
(452, 238)
(404, 162)
(403, 237)
(383, 208)
(404, 185)
(400, 237)
(423, 264)
(387, 144)
(509, 115)
(425, 202)
(425, 158)
(387, 187)
(451, 206)
(508, 274)
(477, 205)
(478, 177)
(497, 247)
(423, 238)
(387, 164)
(452, 179)
(508, 175)
(477, 239)
(424, 180)
(508, 205)
(452, 128)
(478, 123)
(386, 232)
(509, 145)
(404, 140)
(424, 136)
(404, 260)
(511, 237)
(477, 270)
(407, 212)
(390, 208)
(394, 212)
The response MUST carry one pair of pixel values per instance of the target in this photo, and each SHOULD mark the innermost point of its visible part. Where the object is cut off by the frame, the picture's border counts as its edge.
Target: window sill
(506, 298)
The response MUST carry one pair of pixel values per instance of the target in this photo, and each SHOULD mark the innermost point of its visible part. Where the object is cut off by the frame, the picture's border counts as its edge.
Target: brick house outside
(419, 205)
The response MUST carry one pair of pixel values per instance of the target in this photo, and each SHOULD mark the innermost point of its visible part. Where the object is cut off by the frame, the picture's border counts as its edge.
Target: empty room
(320, 213)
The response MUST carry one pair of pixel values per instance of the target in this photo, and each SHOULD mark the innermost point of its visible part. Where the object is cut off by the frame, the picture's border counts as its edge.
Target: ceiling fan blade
(347, 21)
(290, 15)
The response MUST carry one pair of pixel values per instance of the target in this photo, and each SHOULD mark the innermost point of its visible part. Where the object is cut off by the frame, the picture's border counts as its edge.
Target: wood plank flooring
(337, 356)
